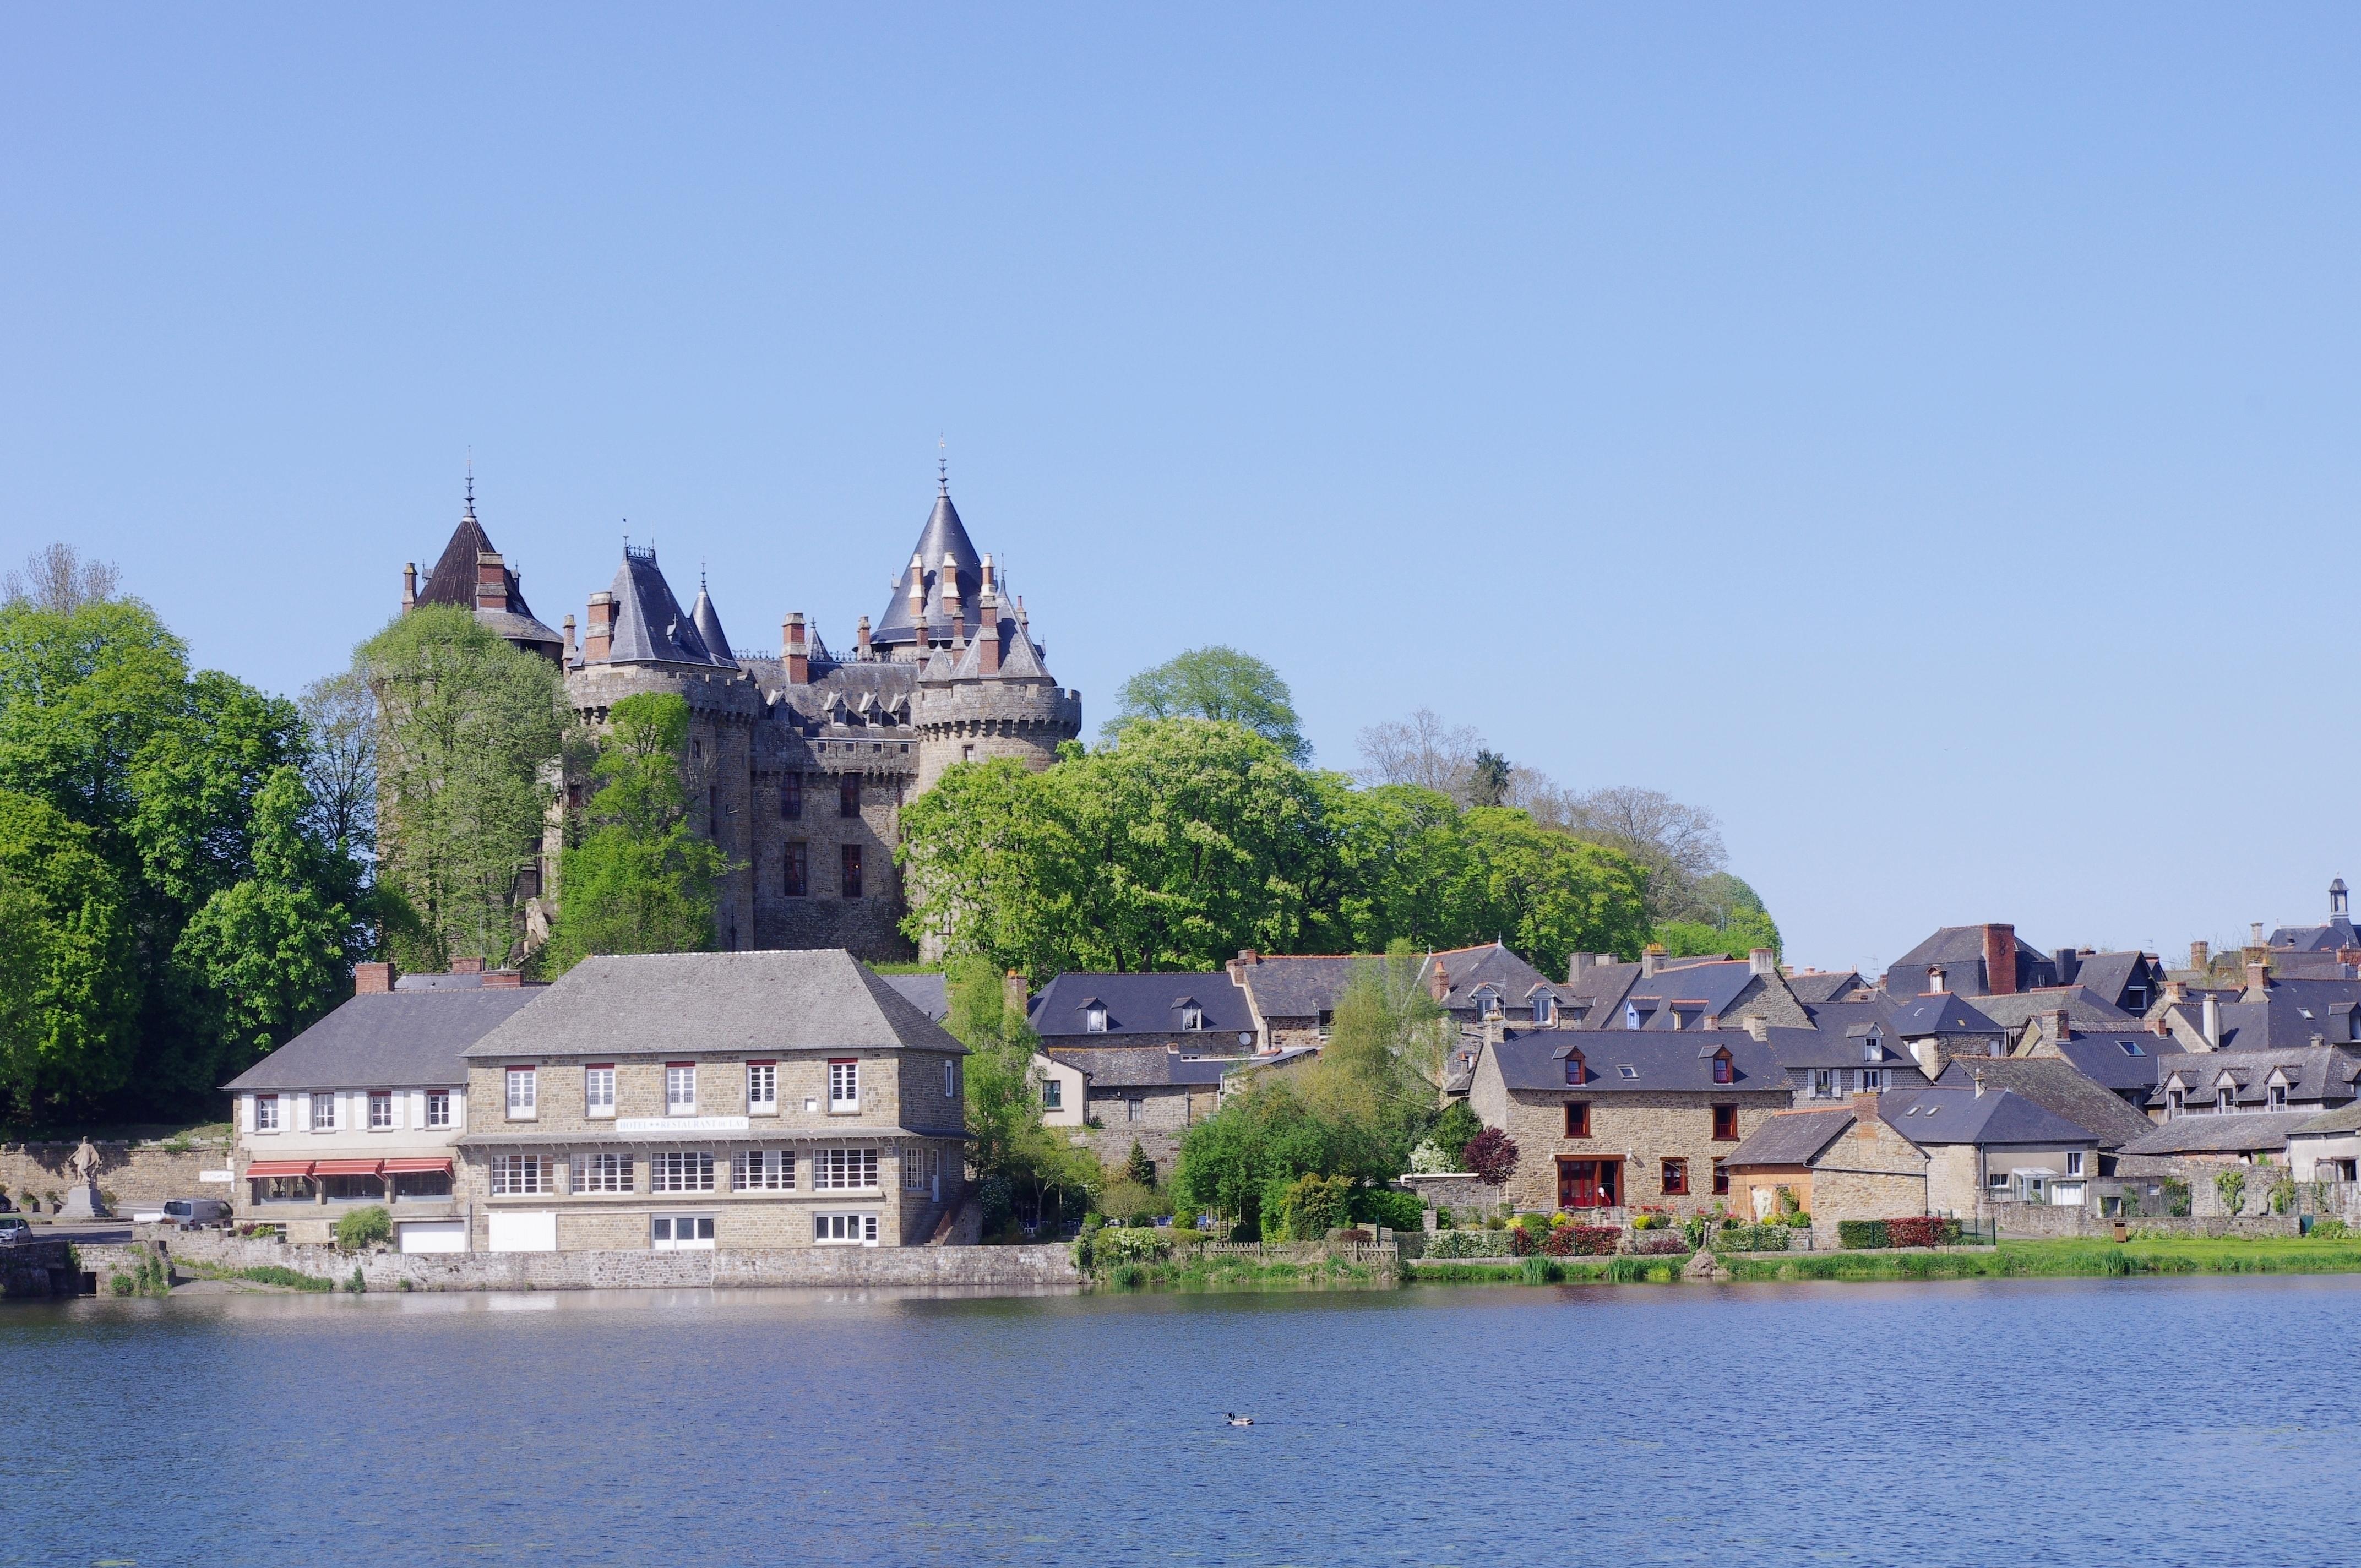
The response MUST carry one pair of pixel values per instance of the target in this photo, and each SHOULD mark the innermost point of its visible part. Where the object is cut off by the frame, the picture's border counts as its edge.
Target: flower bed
(1658, 1244)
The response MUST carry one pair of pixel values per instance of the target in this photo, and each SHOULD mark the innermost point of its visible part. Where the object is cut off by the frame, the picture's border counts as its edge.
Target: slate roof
(2337, 933)
(1939, 1013)
(819, 999)
(2084, 1008)
(1832, 986)
(1469, 970)
(927, 993)
(2251, 1133)
(1597, 993)
(1805, 1048)
(1837, 1017)
(1960, 950)
(2346, 1119)
(943, 534)
(1790, 1137)
(452, 581)
(1656, 1060)
(708, 621)
(2101, 1057)
(398, 1040)
(1298, 987)
(1129, 1066)
(1942, 1115)
(2108, 975)
(1143, 1005)
(1712, 987)
(2055, 1084)
(2319, 1074)
(649, 626)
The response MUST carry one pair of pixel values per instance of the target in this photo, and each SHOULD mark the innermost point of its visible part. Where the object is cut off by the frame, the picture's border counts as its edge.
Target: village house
(1831, 1065)
(1659, 992)
(2310, 1078)
(2235, 1137)
(366, 1106)
(1941, 1026)
(1196, 1015)
(2061, 1088)
(1115, 1097)
(692, 1100)
(2327, 1148)
(1612, 1121)
(1490, 984)
(1840, 1162)
(1292, 997)
(1989, 1146)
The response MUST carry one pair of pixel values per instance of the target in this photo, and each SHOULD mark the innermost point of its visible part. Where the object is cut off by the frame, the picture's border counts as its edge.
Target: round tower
(992, 696)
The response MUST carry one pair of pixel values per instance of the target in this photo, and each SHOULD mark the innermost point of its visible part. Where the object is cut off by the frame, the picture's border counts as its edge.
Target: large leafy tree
(69, 980)
(1034, 1165)
(470, 729)
(639, 880)
(1382, 1068)
(1548, 895)
(1219, 684)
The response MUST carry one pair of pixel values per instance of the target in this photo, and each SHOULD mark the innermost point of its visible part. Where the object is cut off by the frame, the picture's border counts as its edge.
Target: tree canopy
(1219, 684)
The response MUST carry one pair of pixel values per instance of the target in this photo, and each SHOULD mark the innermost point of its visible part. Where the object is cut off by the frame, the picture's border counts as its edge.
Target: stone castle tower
(799, 763)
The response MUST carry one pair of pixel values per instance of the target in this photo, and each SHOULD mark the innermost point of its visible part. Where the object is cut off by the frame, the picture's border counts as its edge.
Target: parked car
(14, 1228)
(190, 1212)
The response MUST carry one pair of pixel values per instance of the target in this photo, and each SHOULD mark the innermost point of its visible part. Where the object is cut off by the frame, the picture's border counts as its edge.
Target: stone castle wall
(140, 1174)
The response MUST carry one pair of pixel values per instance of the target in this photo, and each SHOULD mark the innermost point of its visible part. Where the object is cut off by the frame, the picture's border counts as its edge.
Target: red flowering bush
(1588, 1240)
(1492, 1155)
(1926, 1231)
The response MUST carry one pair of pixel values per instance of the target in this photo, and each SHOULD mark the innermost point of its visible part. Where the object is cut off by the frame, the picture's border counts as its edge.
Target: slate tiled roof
(2337, 933)
(2318, 1075)
(708, 621)
(2345, 1119)
(398, 1040)
(819, 999)
(2108, 975)
(1837, 1017)
(1941, 1012)
(1596, 994)
(927, 993)
(1693, 990)
(2102, 1058)
(1833, 985)
(1790, 1137)
(2058, 1085)
(2085, 1008)
(1637, 1060)
(1942, 1115)
(1960, 950)
(943, 534)
(452, 581)
(2253, 1132)
(1299, 987)
(650, 625)
(1469, 970)
(1807, 1048)
(1129, 1066)
(1143, 1005)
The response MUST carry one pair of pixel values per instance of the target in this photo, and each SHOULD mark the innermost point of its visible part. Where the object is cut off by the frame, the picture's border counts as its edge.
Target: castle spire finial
(942, 468)
(471, 484)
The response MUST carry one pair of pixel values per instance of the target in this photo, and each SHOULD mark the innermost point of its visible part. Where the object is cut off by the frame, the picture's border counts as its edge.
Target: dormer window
(2278, 1096)
(1488, 1002)
(1574, 1069)
(1631, 1015)
(2174, 1102)
(1192, 1017)
(1094, 1019)
(1872, 1051)
(2225, 1099)
(1545, 1011)
(1722, 1070)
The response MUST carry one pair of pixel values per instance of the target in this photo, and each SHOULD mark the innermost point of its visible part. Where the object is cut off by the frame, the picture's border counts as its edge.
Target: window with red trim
(1577, 1118)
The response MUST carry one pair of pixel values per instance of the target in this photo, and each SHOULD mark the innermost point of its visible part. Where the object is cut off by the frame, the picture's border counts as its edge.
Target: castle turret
(472, 575)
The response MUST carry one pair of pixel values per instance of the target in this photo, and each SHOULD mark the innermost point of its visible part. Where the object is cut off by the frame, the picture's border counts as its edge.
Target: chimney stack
(1758, 1027)
(987, 625)
(467, 966)
(1652, 959)
(1865, 1113)
(860, 637)
(2212, 1024)
(2176, 991)
(502, 978)
(1999, 959)
(794, 652)
(599, 636)
(567, 660)
(1979, 1076)
(409, 586)
(951, 593)
(1014, 992)
(1438, 983)
(372, 980)
(2054, 1026)
(491, 581)
(2200, 955)
(2258, 979)
(1761, 961)
(2254, 934)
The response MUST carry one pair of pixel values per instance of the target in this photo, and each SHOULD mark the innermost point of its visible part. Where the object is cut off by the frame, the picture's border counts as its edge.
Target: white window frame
(599, 1090)
(382, 1101)
(2073, 1162)
(701, 1240)
(1824, 1083)
(266, 1112)
(844, 1230)
(602, 1170)
(1053, 1093)
(1192, 1018)
(438, 1107)
(323, 1100)
(950, 1078)
(761, 1089)
(914, 1168)
(523, 1093)
(680, 1088)
(844, 1086)
(763, 1170)
(845, 1171)
(1872, 1079)
(1094, 1020)
(680, 1170)
(519, 1175)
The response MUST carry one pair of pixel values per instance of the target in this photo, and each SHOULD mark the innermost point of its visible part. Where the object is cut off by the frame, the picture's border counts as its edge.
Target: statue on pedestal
(81, 1196)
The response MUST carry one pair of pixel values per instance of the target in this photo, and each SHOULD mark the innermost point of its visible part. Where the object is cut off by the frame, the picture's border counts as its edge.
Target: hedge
(1470, 1243)
(1771, 1237)
(1924, 1230)
(1582, 1241)
(1659, 1243)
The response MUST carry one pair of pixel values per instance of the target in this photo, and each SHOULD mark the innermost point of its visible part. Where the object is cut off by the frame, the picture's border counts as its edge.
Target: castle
(799, 763)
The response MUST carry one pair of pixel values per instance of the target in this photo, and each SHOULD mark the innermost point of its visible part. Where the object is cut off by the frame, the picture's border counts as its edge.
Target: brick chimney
(1652, 959)
(860, 637)
(491, 581)
(950, 592)
(599, 635)
(1438, 981)
(1999, 959)
(467, 966)
(1865, 1113)
(987, 625)
(2258, 978)
(502, 978)
(372, 980)
(1761, 961)
(794, 652)
(2054, 1026)
(1014, 991)
(2200, 955)
(567, 631)
(1248, 958)
(409, 586)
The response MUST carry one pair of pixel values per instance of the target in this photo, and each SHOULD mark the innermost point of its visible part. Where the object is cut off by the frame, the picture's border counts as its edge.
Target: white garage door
(525, 1233)
(434, 1236)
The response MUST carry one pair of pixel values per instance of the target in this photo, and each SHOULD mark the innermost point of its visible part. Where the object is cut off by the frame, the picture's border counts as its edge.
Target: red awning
(347, 1167)
(413, 1167)
(280, 1168)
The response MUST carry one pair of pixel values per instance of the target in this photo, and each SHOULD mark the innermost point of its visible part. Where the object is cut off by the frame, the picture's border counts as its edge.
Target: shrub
(1492, 1156)
(2329, 1230)
(1694, 1229)
(2176, 1197)
(1582, 1241)
(1801, 1220)
(1123, 1244)
(2283, 1193)
(1862, 1234)
(1387, 1206)
(1788, 1203)
(1659, 1243)
(1923, 1231)
(356, 1285)
(1428, 1160)
(1357, 1236)
(364, 1227)
(1470, 1243)
(2229, 1186)
(1307, 1208)
(1454, 1129)
(122, 1284)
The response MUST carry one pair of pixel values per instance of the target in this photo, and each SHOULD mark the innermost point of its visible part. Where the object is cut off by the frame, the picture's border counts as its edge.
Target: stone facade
(137, 1174)
(1639, 1129)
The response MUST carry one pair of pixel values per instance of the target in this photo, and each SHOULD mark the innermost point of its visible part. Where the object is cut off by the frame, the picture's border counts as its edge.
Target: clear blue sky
(1924, 436)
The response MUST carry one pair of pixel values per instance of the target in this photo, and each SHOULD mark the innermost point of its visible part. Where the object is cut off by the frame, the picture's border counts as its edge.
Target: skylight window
(1628, 1071)
(2131, 1047)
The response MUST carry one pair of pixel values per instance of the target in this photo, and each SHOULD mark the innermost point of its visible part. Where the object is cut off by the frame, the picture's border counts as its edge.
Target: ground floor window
(1589, 1183)
(681, 1170)
(518, 1175)
(1720, 1180)
(850, 1230)
(422, 1184)
(681, 1233)
(354, 1188)
(763, 1170)
(283, 1189)
(1677, 1178)
(605, 1171)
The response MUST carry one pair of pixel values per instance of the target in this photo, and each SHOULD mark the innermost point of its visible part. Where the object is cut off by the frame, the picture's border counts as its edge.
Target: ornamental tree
(1492, 1156)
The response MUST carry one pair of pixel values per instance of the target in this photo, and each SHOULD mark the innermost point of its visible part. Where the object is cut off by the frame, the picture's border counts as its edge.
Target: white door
(1763, 1197)
(525, 1233)
(434, 1236)
(2066, 1194)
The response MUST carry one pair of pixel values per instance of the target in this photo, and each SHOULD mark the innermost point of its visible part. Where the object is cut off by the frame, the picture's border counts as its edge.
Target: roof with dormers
(1636, 1060)
(944, 534)
(1142, 1004)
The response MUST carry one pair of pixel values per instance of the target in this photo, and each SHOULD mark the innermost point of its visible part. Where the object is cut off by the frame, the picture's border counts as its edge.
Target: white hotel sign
(681, 1125)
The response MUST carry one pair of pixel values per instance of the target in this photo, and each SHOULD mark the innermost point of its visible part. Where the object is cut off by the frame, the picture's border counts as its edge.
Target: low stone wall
(981, 1266)
(2024, 1222)
(38, 1270)
(137, 1174)
(1459, 1192)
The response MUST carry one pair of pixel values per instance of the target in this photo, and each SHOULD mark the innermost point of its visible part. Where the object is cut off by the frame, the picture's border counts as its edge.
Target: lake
(2069, 1421)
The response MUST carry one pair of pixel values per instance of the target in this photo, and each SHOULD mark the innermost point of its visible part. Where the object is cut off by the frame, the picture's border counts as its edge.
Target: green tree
(1548, 895)
(1488, 779)
(1382, 1068)
(67, 1022)
(991, 868)
(640, 881)
(1216, 682)
(1008, 1141)
(470, 726)
(1264, 1135)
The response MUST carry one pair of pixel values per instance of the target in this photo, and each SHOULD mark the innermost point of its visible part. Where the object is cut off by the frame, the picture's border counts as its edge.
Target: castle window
(798, 880)
(967, 754)
(791, 799)
(852, 870)
(848, 796)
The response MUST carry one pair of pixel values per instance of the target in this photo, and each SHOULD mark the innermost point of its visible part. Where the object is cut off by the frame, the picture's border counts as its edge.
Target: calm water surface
(1986, 1422)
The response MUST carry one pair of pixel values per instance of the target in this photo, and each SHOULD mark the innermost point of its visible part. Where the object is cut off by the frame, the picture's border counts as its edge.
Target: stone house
(2310, 1078)
(1292, 997)
(1842, 1162)
(2327, 1148)
(1611, 1121)
(1491, 984)
(1196, 1015)
(2234, 1138)
(2058, 1086)
(1658, 992)
(366, 1107)
(1114, 1097)
(1941, 1026)
(1991, 1145)
(700, 1099)
(1831, 1066)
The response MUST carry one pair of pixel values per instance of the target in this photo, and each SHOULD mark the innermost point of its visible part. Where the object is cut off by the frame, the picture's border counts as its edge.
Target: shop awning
(280, 1168)
(416, 1166)
(347, 1167)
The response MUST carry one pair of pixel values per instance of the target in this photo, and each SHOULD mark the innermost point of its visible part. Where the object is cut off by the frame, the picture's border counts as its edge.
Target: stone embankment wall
(981, 1266)
(137, 1174)
(2028, 1222)
(33, 1270)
